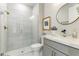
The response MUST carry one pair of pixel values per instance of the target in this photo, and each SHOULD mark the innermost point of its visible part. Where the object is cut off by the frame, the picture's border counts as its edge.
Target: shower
(21, 24)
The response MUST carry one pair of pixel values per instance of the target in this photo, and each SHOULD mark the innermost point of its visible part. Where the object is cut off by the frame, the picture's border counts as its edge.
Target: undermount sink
(55, 34)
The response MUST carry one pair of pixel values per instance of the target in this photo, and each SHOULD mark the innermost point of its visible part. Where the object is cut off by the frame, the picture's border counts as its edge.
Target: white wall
(3, 32)
(51, 10)
(38, 12)
(35, 23)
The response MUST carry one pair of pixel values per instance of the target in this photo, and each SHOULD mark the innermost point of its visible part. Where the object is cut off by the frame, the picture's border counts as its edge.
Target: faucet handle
(63, 31)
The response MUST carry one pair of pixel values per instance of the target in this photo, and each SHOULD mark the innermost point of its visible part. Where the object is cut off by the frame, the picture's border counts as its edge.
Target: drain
(22, 51)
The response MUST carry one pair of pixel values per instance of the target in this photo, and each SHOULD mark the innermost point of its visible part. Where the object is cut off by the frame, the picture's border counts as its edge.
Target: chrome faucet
(64, 32)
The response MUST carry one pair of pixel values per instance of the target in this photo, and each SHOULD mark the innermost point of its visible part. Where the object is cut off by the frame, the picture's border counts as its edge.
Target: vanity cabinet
(49, 51)
(52, 48)
(73, 52)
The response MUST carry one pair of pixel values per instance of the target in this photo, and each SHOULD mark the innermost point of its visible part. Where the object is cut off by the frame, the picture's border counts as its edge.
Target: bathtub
(26, 51)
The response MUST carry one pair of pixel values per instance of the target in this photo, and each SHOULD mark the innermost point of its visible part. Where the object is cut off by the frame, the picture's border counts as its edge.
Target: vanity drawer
(56, 45)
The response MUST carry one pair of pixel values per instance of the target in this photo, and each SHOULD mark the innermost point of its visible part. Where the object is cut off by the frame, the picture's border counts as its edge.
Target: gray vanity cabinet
(52, 48)
(49, 51)
(73, 52)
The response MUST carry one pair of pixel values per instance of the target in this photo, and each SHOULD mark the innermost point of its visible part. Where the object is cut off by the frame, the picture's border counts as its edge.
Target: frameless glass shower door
(19, 33)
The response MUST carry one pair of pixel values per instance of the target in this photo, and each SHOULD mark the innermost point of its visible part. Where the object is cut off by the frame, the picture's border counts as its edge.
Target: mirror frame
(59, 21)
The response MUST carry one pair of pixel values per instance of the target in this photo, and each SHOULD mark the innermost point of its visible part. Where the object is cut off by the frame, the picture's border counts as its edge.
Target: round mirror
(68, 13)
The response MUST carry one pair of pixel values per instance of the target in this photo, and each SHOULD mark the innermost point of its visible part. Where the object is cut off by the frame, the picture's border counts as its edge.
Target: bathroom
(39, 29)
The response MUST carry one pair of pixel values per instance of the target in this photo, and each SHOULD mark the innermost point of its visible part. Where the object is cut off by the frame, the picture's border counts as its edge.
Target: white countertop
(64, 40)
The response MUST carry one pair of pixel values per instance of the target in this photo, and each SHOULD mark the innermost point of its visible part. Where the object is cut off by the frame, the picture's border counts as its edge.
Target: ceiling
(30, 4)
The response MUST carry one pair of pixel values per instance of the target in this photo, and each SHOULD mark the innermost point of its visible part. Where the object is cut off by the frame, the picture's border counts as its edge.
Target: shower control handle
(5, 27)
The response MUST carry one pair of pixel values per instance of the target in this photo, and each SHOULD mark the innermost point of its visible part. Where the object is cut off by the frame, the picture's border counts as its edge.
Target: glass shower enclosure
(20, 28)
